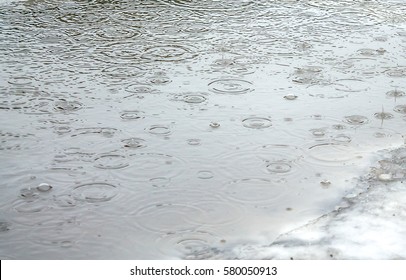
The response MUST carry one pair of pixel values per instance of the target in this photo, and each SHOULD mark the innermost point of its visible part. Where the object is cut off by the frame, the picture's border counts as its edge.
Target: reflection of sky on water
(192, 128)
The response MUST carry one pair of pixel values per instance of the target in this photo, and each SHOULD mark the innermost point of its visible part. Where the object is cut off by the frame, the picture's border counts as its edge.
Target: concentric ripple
(111, 161)
(166, 217)
(134, 143)
(395, 93)
(131, 115)
(210, 5)
(356, 119)
(253, 191)
(168, 53)
(95, 192)
(257, 122)
(190, 244)
(231, 86)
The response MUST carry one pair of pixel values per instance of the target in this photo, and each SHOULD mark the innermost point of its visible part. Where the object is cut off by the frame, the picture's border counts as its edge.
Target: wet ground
(186, 129)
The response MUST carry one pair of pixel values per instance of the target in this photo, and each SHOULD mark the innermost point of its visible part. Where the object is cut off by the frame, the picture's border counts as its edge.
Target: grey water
(180, 129)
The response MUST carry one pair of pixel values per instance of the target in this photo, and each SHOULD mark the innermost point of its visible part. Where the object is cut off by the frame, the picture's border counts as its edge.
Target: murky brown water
(181, 128)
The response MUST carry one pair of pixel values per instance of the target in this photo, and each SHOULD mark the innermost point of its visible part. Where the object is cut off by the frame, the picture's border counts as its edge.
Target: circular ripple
(383, 116)
(137, 89)
(123, 72)
(162, 130)
(279, 167)
(256, 122)
(230, 86)
(190, 244)
(211, 5)
(396, 72)
(350, 85)
(205, 174)
(332, 153)
(166, 217)
(194, 98)
(131, 115)
(67, 106)
(145, 166)
(253, 191)
(111, 161)
(400, 109)
(116, 33)
(356, 119)
(168, 53)
(95, 192)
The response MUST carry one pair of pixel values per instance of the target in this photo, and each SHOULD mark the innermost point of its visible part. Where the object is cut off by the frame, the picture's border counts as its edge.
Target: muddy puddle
(185, 129)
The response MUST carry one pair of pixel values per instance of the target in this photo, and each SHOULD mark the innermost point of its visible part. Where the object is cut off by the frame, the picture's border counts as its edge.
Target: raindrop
(257, 122)
(395, 93)
(137, 89)
(4, 226)
(383, 116)
(94, 192)
(230, 86)
(356, 119)
(134, 143)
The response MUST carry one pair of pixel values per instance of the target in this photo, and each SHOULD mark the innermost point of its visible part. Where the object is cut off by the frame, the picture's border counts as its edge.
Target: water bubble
(205, 174)
(257, 122)
(230, 86)
(111, 161)
(133, 143)
(95, 192)
(214, 125)
(356, 119)
(44, 187)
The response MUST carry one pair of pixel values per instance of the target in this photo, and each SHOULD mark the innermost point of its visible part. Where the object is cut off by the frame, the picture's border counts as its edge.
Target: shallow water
(183, 129)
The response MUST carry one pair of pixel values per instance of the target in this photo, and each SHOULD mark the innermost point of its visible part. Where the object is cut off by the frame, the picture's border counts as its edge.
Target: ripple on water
(168, 53)
(123, 72)
(253, 191)
(395, 93)
(111, 161)
(144, 166)
(356, 119)
(67, 106)
(131, 115)
(332, 154)
(214, 6)
(190, 244)
(133, 143)
(256, 122)
(351, 85)
(400, 109)
(230, 86)
(161, 130)
(194, 98)
(117, 33)
(95, 192)
(396, 72)
(165, 217)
